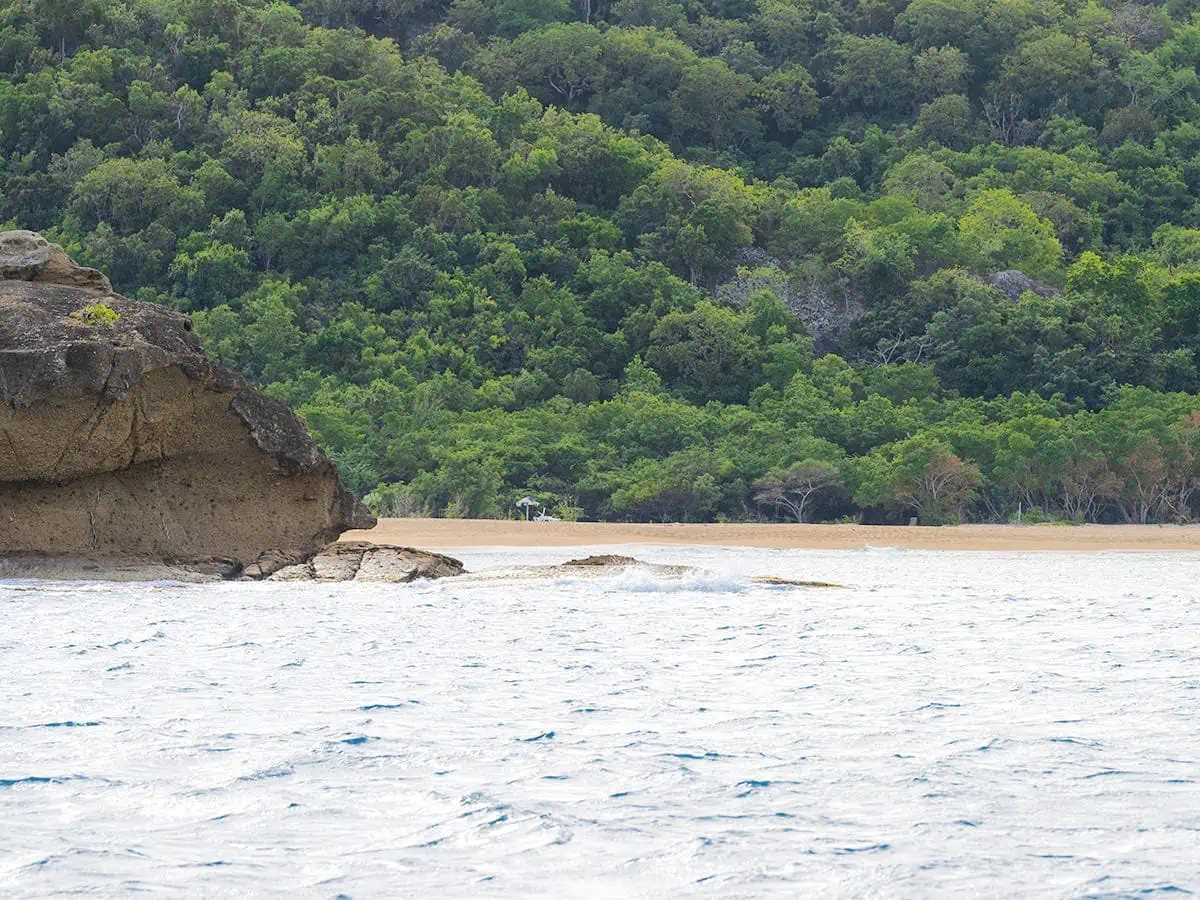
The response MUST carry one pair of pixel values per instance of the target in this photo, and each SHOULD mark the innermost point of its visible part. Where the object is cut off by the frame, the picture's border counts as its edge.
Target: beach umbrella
(526, 503)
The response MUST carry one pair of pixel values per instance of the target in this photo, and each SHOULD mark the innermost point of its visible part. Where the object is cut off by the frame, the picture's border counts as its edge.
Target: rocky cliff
(118, 437)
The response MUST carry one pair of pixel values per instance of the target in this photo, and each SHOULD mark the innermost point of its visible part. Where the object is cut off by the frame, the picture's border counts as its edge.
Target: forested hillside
(651, 259)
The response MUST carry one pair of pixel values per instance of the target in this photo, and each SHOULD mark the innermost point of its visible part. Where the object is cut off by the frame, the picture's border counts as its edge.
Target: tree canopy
(656, 259)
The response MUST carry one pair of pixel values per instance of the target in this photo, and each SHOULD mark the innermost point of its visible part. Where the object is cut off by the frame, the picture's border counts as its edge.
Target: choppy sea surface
(945, 725)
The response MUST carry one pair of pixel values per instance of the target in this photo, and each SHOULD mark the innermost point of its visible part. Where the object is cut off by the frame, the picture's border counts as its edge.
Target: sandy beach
(448, 534)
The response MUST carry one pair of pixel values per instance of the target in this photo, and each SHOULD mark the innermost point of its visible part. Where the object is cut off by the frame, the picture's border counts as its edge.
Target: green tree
(1001, 232)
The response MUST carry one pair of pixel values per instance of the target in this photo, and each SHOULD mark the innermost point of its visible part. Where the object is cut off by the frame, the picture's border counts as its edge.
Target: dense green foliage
(656, 259)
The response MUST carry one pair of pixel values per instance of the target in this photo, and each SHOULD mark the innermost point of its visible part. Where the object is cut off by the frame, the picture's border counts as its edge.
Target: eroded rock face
(121, 439)
(27, 256)
(362, 561)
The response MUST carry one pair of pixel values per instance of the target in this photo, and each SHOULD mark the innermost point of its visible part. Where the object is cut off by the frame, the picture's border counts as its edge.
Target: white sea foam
(636, 580)
(947, 725)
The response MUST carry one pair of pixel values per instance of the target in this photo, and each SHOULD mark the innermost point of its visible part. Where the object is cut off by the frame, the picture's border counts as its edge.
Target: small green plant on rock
(98, 315)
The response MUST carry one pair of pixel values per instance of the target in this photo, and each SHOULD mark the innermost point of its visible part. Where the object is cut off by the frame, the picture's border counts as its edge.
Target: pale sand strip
(439, 534)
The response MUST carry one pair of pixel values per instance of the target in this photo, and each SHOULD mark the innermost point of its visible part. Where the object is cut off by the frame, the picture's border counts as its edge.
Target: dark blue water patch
(619, 794)
(373, 707)
(751, 783)
(121, 668)
(264, 774)
(544, 736)
(1105, 773)
(967, 823)
(1056, 856)
(711, 754)
(503, 817)
(869, 848)
(366, 682)
(555, 777)
(67, 724)
(40, 779)
(1083, 742)
(355, 741)
(1180, 781)
(1164, 889)
(938, 706)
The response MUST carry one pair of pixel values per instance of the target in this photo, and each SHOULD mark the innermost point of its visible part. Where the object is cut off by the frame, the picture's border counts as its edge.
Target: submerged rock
(605, 559)
(362, 561)
(608, 564)
(773, 581)
(120, 440)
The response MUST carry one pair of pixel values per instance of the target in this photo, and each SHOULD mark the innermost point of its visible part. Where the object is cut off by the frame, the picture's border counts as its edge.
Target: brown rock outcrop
(362, 561)
(119, 438)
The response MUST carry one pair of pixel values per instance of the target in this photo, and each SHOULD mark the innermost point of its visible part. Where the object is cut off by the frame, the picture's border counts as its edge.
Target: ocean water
(945, 725)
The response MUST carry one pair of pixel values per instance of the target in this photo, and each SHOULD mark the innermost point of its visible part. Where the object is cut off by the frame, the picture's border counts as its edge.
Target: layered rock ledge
(119, 439)
(365, 562)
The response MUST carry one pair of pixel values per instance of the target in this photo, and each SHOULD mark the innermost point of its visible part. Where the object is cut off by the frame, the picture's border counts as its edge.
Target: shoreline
(453, 534)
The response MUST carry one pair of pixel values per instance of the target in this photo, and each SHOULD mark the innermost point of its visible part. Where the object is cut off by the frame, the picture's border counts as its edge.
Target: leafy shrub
(98, 315)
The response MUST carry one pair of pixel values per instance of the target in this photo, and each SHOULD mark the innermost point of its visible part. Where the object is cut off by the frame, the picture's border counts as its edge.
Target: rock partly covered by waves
(363, 561)
(120, 439)
(606, 565)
